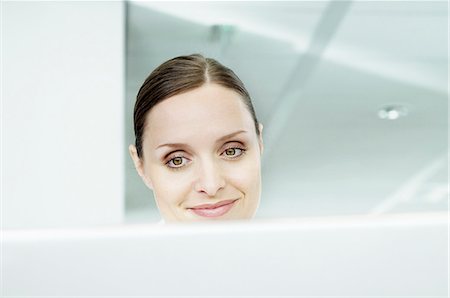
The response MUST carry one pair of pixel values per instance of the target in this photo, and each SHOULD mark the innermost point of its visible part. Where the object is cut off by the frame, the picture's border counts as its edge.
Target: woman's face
(201, 156)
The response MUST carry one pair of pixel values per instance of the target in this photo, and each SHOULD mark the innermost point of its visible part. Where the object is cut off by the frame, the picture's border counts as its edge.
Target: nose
(209, 178)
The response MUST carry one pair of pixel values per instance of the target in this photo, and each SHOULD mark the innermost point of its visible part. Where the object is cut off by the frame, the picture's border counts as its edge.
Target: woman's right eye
(177, 162)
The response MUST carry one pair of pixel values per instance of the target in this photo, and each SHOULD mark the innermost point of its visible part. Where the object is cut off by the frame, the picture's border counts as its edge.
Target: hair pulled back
(179, 75)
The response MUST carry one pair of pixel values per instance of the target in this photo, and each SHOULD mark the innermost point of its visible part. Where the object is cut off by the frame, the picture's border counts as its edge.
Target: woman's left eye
(233, 152)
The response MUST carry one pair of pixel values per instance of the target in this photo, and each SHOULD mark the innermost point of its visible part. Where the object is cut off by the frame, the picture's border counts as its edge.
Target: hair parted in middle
(179, 75)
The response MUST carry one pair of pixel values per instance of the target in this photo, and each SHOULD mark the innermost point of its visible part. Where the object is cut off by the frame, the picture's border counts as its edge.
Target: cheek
(169, 188)
(246, 175)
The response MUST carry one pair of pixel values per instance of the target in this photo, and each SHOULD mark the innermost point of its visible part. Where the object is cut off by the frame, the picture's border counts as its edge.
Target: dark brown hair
(179, 75)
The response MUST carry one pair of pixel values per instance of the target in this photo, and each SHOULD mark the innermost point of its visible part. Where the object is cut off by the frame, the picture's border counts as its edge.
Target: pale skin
(215, 154)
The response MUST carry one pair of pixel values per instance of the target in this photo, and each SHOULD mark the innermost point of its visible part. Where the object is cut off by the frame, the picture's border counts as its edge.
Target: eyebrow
(217, 141)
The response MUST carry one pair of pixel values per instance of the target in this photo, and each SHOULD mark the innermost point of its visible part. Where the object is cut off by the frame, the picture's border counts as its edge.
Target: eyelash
(243, 151)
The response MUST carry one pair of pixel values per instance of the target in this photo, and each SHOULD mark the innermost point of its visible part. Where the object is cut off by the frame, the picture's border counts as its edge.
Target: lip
(213, 210)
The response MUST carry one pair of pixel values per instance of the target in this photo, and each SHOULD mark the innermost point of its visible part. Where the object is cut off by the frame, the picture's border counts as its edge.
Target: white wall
(62, 116)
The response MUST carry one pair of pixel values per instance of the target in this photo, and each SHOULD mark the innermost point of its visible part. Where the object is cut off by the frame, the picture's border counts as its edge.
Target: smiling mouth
(213, 210)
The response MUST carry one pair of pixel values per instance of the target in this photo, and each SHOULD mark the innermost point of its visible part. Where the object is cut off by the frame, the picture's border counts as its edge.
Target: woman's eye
(233, 152)
(176, 162)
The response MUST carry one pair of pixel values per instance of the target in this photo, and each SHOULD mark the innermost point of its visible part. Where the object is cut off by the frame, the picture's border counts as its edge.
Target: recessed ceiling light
(392, 112)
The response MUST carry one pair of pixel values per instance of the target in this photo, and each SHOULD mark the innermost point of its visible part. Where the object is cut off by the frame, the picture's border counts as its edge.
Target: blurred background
(353, 96)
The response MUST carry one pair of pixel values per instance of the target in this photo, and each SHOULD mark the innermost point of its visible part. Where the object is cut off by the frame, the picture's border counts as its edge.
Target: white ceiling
(318, 73)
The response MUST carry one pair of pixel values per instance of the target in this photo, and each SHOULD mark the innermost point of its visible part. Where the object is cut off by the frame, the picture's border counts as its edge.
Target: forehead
(205, 112)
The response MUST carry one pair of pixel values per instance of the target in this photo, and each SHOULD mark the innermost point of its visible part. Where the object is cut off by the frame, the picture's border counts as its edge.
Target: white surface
(62, 120)
(401, 255)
